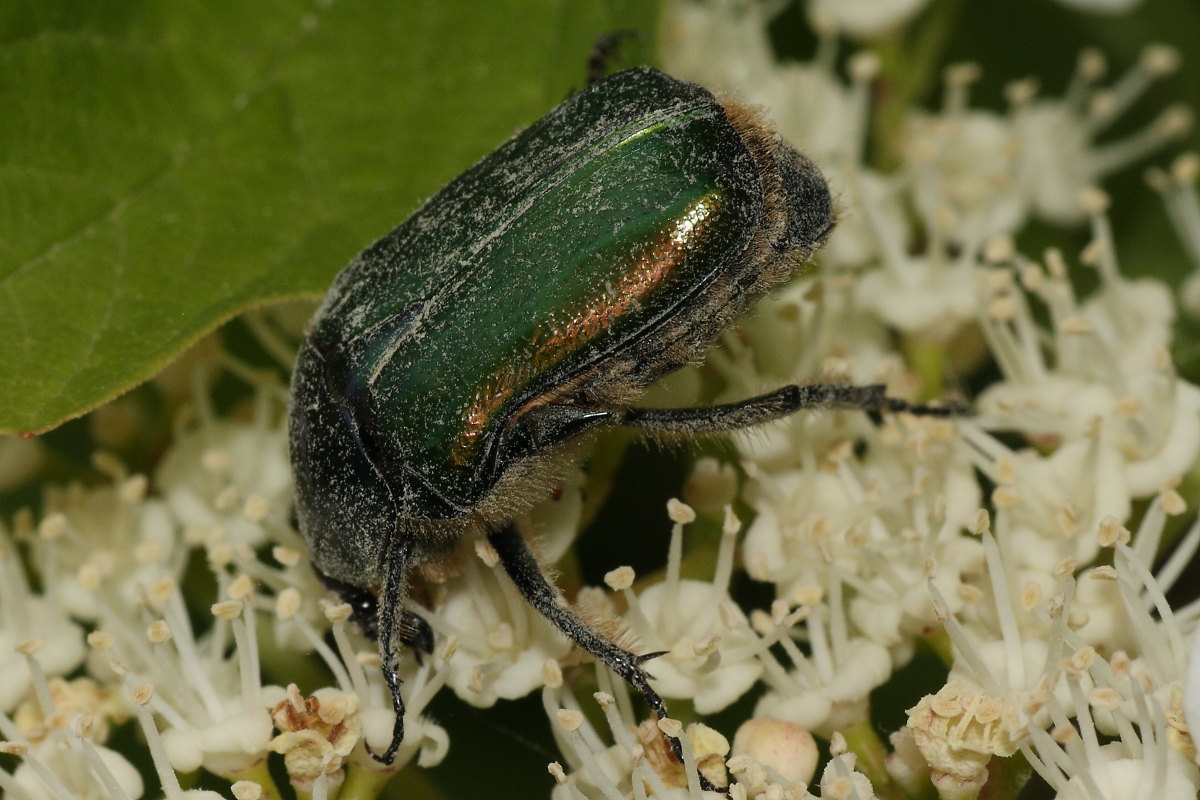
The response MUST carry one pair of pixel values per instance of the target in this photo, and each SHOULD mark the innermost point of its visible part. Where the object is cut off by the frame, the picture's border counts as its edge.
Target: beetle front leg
(522, 566)
(777, 404)
(392, 631)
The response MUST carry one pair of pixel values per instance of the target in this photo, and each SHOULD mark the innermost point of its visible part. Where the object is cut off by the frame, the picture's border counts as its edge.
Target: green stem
(928, 359)
(415, 781)
(366, 784)
(872, 754)
(939, 642)
(907, 70)
(602, 466)
(1006, 778)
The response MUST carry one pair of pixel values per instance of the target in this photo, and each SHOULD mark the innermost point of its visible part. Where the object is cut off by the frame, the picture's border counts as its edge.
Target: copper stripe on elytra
(554, 340)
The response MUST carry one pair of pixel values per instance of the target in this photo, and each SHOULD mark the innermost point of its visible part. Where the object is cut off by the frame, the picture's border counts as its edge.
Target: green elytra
(463, 314)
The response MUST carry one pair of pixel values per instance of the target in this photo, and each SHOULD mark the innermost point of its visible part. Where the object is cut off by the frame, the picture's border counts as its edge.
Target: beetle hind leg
(522, 566)
(777, 404)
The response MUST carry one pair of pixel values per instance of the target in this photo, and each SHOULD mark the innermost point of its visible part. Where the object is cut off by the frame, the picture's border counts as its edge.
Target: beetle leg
(391, 629)
(779, 403)
(522, 566)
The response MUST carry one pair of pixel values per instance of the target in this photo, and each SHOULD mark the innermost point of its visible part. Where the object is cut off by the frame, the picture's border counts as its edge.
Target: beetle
(457, 365)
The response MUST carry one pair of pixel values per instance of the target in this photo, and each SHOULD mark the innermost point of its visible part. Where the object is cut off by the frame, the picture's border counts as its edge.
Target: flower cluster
(112, 558)
(1024, 552)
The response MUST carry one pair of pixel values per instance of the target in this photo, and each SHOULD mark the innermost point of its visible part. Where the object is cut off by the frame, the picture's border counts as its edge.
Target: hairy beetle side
(456, 364)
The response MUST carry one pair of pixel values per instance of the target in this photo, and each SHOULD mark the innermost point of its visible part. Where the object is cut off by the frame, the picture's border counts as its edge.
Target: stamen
(570, 721)
(158, 752)
(357, 677)
(1155, 62)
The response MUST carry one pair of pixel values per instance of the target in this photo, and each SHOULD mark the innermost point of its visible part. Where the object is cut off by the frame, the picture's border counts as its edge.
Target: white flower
(1191, 685)
(959, 729)
(1048, 506)
(724, 45)
(1111, 606)
(1153, 658)
(785, 748)
(502, 640)
(556, 521)
(1056, 138)
(218, 714)
(812, 327)
(67, 754)
(1142, 762)
(963, 165)
(1178, 190)
(99, 547)
(882, 518)
(361, 693)
(317, 733)
(639, 760)
(929, 297)
(710, 647)
(864, 19)
(876, 534)
(872, 225)
(841, 779)
(1115, 772)
(68, 700)
(231, 476)
(1110, 375)
(54, 770)
(721, 43)
(905, 763)
(31, 626)
(829, 689)
(1000, 680)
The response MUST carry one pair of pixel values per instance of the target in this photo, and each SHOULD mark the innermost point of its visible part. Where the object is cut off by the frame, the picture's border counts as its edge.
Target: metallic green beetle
(457, 363)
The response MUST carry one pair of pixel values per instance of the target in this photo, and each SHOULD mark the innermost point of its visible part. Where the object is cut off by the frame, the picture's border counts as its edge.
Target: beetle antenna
(391, 637)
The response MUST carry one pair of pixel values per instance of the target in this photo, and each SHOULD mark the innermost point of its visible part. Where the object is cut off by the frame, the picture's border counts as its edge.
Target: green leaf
(166, 164)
